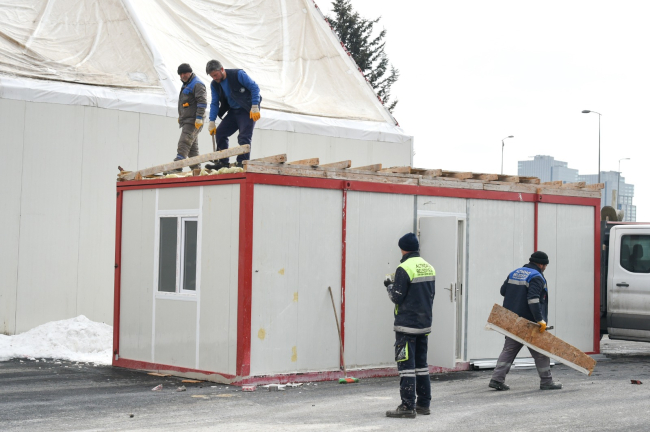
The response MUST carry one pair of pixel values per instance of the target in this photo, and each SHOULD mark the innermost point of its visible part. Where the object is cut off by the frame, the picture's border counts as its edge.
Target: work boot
(499, 385)
(550, 386)
(402, 411)
(240, 164)
(218, 164)
(422, 410)
(177, 170)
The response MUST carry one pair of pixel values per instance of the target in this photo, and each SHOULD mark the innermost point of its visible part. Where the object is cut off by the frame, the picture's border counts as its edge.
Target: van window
(635, 253)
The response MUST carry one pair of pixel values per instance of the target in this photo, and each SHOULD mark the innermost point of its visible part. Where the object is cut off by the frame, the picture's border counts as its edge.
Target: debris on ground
(636, 382)
(159, 387)
(275, 387)
(191, 381)
(294, 384)
(158, 374)
(181, 388)
(248, 388)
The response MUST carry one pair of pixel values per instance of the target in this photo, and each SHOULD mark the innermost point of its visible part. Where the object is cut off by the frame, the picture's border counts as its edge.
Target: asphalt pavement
(64, 396)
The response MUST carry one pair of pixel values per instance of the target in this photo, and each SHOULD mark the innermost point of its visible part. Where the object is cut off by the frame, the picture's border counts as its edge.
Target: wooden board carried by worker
(523, 331)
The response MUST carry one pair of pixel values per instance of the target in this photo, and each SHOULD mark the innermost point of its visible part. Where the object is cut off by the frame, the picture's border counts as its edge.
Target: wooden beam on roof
(509, 178)
(526, 332)
(529, 180)
(574, 185)
(310, 162)
(234, 151)
(424, 172)
(556, 183)
(397, 170)
(595, 186)
(488, 177)
(338, 165)
(456, 174)
(281, 158)
(375, 167)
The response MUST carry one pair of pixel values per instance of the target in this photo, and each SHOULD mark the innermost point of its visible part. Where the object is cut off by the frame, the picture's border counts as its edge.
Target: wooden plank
(526, 332)
(595, 186)
(584, 193)
(281, 158)
(397, 169)
(424, 172)
(234, 151)
(553, 183)
(158, 374)
(338, 165)
(456, 174)
(489, 177)
(450, 183)
(574, 185)
(509, 178)
(192, 381)
(530, 180)
(403, 179)
(510, 187)
(375, 167)
(310, 162)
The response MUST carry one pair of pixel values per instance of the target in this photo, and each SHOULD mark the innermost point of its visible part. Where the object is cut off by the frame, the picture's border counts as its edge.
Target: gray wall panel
(375, 222)
(136, 286)
(12, 125)
(219, 279)
(175, 333)
(181, 198)
(442, 204)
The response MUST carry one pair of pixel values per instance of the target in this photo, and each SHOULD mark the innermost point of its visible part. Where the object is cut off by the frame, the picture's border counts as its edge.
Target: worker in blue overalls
(525, 293)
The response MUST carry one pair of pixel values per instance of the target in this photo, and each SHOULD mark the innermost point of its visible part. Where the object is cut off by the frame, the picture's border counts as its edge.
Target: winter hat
(184, 68)
(409, 243)
(539, 257)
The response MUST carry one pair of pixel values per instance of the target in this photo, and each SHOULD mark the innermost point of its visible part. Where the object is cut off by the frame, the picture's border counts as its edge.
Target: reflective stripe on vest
(418, 270)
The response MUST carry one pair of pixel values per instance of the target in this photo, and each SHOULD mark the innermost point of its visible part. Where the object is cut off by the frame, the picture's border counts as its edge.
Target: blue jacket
(525, 293)
(237, 91)
(413, 292)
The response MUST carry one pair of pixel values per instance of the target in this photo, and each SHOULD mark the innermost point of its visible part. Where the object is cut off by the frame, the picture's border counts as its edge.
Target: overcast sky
(473, 72)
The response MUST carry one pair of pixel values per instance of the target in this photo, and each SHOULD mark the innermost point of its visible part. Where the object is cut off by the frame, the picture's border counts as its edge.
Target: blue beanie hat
(409, 243)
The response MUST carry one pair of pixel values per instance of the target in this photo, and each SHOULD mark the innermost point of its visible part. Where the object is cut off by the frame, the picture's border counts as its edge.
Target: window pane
(167, 255)
(635, 253)
(189, 255)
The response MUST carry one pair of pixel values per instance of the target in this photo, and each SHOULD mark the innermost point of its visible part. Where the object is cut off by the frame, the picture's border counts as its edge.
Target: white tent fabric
(123, 54)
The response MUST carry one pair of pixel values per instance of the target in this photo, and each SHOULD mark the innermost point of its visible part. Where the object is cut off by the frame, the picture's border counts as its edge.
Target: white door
(439, 247)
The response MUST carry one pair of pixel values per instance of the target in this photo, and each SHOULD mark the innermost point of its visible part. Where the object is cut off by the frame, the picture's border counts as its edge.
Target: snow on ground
(76, 339)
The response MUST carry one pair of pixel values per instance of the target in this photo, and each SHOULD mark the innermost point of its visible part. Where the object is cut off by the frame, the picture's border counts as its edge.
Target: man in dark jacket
(412, 291)
(192, 102)
(525, 293)
(237, 96)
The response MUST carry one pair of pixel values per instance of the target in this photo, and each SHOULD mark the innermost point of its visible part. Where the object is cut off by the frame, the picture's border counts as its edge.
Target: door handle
(451, 292)
(623, 284)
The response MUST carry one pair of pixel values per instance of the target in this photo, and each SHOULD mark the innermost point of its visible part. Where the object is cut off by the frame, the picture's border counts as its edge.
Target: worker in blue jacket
(237, 96)
(412, 290)
(525, 293)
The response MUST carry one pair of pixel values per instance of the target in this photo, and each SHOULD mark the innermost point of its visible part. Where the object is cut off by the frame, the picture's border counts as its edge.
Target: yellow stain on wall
(295, 297)
(294, 354)
(261, 334)
(281, 271)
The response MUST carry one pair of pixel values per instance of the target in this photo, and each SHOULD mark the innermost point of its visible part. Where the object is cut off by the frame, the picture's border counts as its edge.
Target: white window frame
(181, 216)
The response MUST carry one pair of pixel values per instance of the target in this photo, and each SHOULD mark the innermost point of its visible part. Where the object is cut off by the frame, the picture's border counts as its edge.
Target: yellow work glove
(185, 105)
(212, 128)
(255, 112)
(198, 123)
(542, 326)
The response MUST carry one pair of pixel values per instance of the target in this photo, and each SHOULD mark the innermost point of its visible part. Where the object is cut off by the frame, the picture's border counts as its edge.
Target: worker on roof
(192, 102)
(237, 96)
(412, 290)
(525, 293)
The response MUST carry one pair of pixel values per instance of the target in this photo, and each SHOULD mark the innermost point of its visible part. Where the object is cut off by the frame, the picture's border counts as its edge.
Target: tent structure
(87, 85)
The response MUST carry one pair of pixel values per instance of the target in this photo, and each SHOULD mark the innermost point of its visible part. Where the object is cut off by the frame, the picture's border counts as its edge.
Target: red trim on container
(343, 264)
(245, 283)
(117, 276)
(597, 278)
(142, 365)
(186, 181)
(307, 182)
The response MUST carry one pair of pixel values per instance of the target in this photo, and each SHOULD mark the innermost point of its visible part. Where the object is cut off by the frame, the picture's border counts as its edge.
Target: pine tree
(367, 50)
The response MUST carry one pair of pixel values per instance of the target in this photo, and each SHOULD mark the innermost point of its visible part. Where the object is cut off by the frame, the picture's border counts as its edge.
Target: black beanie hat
(409, 243)
(539, 257)
(184, 68)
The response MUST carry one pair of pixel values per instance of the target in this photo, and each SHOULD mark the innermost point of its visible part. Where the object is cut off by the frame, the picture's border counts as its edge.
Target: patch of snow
(77, 339)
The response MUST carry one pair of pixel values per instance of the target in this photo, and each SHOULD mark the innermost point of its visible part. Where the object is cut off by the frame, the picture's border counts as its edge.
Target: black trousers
(411, 357)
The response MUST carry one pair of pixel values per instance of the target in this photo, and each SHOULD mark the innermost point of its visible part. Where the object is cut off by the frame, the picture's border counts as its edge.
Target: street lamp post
(618, 187)
(503, 145)
(599, 115)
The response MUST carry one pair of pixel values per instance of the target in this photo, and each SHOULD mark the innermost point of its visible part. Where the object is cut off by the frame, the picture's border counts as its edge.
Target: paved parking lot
(64, 397)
